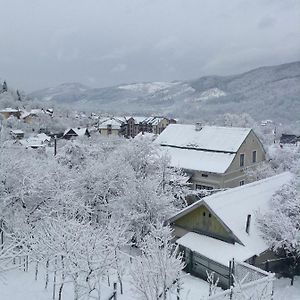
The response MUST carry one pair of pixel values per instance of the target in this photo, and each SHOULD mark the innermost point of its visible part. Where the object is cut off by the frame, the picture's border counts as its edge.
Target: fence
(249, 283)
(198, 264)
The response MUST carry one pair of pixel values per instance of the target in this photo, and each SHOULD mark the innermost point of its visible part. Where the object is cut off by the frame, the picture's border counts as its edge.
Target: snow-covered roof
(36, 111)
(8, 109)
(36, 141)
(17, 131)
(145, 135)
(206, 161)
(114, 123)
(78, 131)
(25, 114)
(43, 137)
(137, 119)
(211, 248)
(211, 138)
(153, 120)
(233, 206)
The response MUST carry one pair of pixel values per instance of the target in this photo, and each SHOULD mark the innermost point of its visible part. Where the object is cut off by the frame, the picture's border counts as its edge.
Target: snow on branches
(280, 226)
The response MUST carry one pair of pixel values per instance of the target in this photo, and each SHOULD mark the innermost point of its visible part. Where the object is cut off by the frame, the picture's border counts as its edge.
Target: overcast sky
(101, 43)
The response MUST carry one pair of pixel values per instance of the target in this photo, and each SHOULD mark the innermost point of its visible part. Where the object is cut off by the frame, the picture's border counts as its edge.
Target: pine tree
(19, 96)
(4, 87)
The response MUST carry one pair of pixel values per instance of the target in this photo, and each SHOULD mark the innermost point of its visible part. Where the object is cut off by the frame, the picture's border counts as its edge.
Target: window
(254, 156)
(242, 160)
(242, 182)
(203, 187)
(204, 175)
(204, 214)
(209, 215)
(109, 129)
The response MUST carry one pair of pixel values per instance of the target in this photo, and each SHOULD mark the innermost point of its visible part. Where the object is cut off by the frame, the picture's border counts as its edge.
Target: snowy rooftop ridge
(210, 138)
(113, 122)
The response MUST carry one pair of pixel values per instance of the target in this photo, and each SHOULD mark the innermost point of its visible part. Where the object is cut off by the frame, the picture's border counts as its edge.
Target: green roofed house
(221, 227)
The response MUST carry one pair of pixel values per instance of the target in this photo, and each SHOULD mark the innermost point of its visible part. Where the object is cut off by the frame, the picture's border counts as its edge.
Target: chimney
(198, 126)
(248, 223)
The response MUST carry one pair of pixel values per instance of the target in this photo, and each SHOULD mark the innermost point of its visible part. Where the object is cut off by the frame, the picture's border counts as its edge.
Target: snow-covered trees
(159, 267)
(285, 158)
(280, 226)
(74, 212)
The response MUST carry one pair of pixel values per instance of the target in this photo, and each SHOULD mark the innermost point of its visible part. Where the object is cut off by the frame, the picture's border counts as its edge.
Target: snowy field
(19, 285)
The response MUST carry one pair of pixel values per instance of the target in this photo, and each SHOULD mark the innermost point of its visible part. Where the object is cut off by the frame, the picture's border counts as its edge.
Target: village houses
(214, 157)
(132, 126)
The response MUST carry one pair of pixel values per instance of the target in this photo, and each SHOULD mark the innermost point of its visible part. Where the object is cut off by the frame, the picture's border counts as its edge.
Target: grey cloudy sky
(101, 43)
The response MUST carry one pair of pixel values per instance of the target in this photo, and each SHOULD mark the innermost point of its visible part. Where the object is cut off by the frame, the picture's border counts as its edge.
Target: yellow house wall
(235, 173)
(196, 221)
(250, 144)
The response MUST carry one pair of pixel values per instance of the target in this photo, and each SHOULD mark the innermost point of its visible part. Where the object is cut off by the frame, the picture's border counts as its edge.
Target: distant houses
(216, 229)
(17, 134)
(35, 142)
(8, 112)
(132, 126)
(26, 116)
(214, 157)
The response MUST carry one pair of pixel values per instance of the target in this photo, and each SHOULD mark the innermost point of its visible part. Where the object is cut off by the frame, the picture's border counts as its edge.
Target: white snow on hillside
(149, 88)
(211, 94)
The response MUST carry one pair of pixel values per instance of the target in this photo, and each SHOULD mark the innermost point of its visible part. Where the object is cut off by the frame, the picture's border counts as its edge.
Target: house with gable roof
(214, 157)
(75, 132)
(221, 227)
(110, 126)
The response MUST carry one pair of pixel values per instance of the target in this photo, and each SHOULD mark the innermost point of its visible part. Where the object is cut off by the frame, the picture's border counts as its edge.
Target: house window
(204, 175)
(209, 215)
(109, 129)
(203, 187)
(242, 160)
(254, 156)
(242, 182)
(204, 214)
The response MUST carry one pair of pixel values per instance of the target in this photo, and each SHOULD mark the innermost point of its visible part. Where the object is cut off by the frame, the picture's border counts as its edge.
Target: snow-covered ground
(284, 290)
(19, 285)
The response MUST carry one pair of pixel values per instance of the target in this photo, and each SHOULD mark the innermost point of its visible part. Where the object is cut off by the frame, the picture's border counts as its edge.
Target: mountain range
(271, 92)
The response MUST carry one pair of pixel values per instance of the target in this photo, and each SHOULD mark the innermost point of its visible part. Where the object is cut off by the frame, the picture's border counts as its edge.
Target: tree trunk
(293, 269)
(62, 278)
(54, 280)
(47, 274)
(36, 270)
(76, 288)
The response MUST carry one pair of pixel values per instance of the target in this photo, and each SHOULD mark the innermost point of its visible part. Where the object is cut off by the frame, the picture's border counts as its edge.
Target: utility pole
(55, 145)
